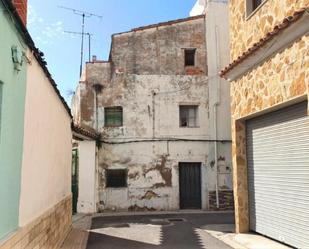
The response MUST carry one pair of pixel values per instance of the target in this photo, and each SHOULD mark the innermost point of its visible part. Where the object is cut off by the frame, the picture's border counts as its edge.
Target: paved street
(179, 231)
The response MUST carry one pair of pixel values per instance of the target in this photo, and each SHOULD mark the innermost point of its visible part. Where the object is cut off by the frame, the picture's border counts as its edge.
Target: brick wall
(160, 50)
(47, 231)
(21, 6)
(226, 200)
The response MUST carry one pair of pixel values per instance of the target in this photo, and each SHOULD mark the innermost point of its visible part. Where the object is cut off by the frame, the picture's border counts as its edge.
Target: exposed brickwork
(226, 200)
(21, 7)
(159, 50)
(46, 232)
(147, 76)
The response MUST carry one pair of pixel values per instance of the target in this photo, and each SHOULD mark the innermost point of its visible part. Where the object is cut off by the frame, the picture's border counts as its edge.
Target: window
(256, 3)
(190, 57)
(252, 5)
(113, 116)
(188, 115)
(116, 178)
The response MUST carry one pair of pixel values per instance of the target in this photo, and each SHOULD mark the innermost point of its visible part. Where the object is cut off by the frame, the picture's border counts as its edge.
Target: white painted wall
(217, 41)
(141, 157)
(86, 178)
(46, 166)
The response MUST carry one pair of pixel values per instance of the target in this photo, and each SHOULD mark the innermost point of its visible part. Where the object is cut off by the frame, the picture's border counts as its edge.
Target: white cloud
(44, 33)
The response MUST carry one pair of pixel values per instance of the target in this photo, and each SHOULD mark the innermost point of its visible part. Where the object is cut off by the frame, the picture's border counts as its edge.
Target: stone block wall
(226, 200)
(245, 31)
(46, 232)
(282, 78)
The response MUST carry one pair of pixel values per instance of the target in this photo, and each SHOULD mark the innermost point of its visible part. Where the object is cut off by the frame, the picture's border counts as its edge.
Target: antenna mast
(83, 14)
(89, 40)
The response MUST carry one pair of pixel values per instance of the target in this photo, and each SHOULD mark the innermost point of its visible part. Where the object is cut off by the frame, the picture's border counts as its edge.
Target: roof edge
(79, 130)
(160, 24)
(36, 52)
(284, 24)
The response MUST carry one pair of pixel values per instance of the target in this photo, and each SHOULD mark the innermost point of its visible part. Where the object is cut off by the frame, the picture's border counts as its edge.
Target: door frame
(74, 179)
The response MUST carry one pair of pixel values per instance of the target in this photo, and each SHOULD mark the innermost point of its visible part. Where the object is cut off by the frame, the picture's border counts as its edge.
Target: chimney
(21, 7)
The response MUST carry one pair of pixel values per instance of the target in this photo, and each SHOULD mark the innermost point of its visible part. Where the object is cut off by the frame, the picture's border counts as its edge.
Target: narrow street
(154, 124)
(181, 231)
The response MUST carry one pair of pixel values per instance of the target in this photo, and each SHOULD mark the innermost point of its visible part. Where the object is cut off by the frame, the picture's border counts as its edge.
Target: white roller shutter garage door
(278, 175)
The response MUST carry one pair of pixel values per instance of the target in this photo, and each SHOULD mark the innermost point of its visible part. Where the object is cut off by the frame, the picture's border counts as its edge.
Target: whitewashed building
(156, 120)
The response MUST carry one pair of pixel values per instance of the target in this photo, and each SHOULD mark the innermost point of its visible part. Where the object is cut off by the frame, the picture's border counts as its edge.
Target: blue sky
(47, 23)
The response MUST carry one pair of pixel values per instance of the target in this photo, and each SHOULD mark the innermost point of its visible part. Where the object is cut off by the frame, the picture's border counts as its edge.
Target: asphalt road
(176, 231)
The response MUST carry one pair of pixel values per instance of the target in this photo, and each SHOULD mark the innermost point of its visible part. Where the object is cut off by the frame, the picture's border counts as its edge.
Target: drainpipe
(97, 89)
(153, 114)
(216, 104)
(216, 153)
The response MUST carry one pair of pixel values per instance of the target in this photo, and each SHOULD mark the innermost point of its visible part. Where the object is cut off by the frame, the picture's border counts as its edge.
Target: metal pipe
(218, 100)
(82, 46)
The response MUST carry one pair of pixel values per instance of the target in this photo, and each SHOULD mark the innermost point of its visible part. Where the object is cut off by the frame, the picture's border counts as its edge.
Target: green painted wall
(11, 124)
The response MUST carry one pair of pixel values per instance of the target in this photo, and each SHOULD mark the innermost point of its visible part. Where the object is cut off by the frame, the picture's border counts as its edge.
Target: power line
(83, 14)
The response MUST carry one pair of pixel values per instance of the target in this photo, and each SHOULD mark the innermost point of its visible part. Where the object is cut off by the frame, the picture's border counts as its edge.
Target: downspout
(216, 104)
(97, 89)
(153, 114)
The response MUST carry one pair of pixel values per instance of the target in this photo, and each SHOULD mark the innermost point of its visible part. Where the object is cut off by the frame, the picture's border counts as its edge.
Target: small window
(113, 116)
(116, 178)
(252, 5)
(188, 115)
(190, 57)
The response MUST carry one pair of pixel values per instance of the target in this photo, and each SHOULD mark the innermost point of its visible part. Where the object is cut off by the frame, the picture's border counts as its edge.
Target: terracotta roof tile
(85, 132)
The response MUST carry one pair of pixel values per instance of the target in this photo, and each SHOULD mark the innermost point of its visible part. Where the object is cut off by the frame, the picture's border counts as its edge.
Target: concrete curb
(159, 213)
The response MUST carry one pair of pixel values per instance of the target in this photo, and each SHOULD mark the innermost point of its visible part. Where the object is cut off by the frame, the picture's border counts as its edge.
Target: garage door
(278, 175)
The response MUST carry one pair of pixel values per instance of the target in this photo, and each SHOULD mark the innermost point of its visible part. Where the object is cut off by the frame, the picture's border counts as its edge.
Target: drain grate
(176, 219)
(161, 222)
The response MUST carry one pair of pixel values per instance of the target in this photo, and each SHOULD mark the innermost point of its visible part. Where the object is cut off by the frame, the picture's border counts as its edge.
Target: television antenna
(83, 14)
(89, 40)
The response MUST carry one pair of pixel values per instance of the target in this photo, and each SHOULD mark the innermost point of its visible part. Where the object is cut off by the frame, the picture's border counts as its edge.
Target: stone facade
(279, 80)
(147, 77)
(247, 30)
(46, 232)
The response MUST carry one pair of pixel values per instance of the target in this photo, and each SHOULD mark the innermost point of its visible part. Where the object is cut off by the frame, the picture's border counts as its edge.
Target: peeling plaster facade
(146, 76)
